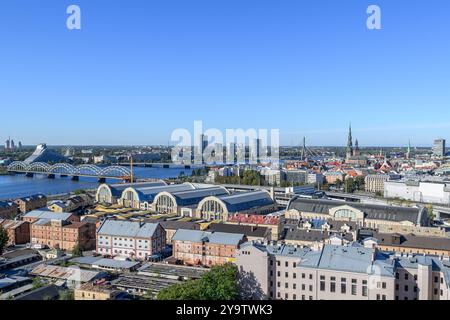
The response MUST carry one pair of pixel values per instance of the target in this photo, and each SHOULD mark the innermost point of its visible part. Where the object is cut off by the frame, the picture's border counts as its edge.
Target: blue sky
(139, 69)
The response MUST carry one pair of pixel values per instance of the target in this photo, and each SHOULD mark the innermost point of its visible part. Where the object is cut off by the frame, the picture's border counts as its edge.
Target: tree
(37, 283)
(219, 283)
(350, 185)
(76, 251)
(4, 239)
(66, 295)
(360, 182)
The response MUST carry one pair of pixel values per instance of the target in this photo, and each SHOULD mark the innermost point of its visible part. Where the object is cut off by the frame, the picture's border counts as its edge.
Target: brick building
(18, 231)
(8, 210)
(60, 230)
(205, 248)
(27, 204)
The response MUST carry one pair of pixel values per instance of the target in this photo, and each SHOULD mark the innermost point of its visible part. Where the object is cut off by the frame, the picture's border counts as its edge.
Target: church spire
(349, 142)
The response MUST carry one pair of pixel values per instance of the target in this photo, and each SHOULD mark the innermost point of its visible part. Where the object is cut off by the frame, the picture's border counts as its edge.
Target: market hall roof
(371, 211)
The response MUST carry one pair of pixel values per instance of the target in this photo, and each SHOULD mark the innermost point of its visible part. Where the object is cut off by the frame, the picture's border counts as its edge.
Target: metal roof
(195, 196)
(211, 237)
(40, 214)
(116, 264)
(378, 212)
(130, 229)
(246, 200)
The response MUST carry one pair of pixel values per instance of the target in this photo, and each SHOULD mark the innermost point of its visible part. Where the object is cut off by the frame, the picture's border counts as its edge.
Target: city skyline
(306, 69)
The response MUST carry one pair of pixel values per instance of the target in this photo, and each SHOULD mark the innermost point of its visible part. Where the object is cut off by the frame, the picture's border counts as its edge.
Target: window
(383, 297)
(286, 296)
(406, 276)
(378, 297)
(303, 287)
(294, 264)
(303, 297)
(303, 276)
(278, 273)
(397, 275)
(286, 264)
(310, 288)
(333, 286)
(294, 297)
(345, 213)
(435, 291)
(294, 276)
(406, 288)
(364, 288)
(415, 277)
(286, 274)
(294, 286)
(415, 289)
(354, 287)
(397, 287)
(286, 285)
(436, 279)
(383, 285)
(279, 284)
(343, 288)
(322, 285)
(310, 277)
(278, 263)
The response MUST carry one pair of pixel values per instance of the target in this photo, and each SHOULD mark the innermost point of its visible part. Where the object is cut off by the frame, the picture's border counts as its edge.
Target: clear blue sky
(140, 68)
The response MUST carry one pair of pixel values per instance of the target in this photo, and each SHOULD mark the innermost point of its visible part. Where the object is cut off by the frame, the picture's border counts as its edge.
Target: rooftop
(127, 228)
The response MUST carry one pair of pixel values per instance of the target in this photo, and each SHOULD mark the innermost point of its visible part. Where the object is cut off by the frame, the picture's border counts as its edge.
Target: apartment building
(18, 231)
(27, 204)
(330, 272)
(413, 244)
(375, 182)
(206, 248)
(131, 239)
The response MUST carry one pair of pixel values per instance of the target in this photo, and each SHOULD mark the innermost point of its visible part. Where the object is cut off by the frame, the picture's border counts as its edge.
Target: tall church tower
(349, 143)
(356, 152)
(408, 152)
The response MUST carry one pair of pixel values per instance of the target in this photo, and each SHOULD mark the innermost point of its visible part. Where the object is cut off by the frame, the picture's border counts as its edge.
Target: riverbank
(18, 185)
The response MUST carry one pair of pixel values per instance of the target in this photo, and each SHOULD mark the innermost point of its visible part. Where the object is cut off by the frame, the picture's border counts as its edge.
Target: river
(16, 186)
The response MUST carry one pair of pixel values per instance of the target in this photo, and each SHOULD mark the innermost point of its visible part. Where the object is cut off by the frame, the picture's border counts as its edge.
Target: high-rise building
(439, 147)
